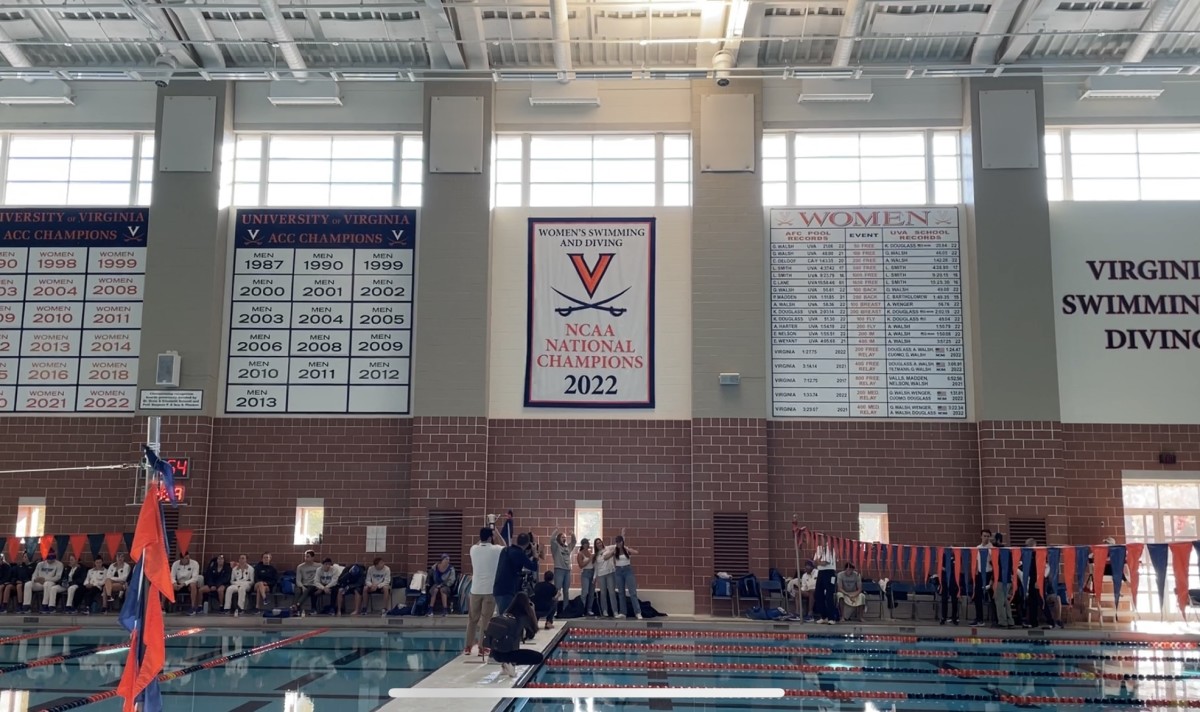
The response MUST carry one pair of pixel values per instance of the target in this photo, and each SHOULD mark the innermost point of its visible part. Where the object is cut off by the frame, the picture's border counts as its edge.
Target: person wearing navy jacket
(508, 572)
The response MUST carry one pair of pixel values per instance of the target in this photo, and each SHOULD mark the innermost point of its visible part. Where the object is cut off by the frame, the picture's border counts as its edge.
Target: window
(1123, 164)
(31, 517)
(78, 169)
(589, 519)
(344, 170)
(862, 168)
(873, 523)
(1158, 511)
(310, 522)
(618, 170)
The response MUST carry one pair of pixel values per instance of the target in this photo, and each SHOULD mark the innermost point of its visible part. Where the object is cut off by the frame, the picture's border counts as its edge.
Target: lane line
(42, 634)
(56, 659)
(174, 675)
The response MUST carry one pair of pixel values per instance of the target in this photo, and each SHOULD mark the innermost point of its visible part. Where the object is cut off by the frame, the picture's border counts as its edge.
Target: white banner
(591, 313)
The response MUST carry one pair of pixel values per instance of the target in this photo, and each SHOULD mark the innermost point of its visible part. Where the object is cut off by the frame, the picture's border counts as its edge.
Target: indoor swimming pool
(871, 673)
(213, 670)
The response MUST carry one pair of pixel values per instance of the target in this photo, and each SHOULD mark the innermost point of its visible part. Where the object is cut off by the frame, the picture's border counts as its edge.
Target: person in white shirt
(93, 587)
(115, 581)
(485, 557)
(378, 580)
(73, 577)
(327, 578)
(622, 555)
(824, 603)
(46, 574)
(306, 581)
(804, 590)
(185, 573)
(586, 559)
(241, 578)
(606, 579)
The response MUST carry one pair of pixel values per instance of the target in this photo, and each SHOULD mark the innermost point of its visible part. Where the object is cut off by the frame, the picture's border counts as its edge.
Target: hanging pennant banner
(61, 542)
(183, 539)
(95, 543)
(1116, 554)
(1181, 556)
(45, 544)
(12, 548)
(112, 543)
(78, 541)
(1158, 561)
(590, 313)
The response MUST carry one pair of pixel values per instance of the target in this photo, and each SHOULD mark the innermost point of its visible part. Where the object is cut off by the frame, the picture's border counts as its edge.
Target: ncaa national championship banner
(591, 313)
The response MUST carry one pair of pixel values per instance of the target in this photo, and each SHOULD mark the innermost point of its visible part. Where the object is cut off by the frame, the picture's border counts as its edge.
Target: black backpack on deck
(503, 634)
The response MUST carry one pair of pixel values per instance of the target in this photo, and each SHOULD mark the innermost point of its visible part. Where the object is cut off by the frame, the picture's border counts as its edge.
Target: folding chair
(874, 595)
(724, 590)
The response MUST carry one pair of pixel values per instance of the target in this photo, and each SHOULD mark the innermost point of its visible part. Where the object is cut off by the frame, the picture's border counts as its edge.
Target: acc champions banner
(591, 313)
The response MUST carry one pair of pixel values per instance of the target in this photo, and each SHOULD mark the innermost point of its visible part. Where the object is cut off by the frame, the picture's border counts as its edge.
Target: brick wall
(260, 466)
(76, 502)
(639, 469)
(1021, 473)
(449, 471)
(926, 473)
(1094, 457)
(729, 474)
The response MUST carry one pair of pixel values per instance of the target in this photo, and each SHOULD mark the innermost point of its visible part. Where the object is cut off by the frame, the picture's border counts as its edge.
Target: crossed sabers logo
(397, 239)
(591, 278)
(253, 240)
(135, 233)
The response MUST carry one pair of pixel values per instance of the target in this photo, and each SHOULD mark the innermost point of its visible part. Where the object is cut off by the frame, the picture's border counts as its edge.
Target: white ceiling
(390, 39)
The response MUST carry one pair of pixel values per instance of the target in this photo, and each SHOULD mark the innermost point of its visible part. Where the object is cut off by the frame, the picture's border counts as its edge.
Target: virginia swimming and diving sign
(591, 313)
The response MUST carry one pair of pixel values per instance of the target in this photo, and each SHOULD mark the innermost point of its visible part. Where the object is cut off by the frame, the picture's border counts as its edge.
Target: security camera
(722, 62)
(166, 64)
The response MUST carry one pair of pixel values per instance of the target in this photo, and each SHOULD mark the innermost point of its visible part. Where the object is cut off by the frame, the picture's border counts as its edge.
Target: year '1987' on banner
(590, 313)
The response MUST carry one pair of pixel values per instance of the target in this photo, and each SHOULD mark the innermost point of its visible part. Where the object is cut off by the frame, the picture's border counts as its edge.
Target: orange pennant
(12, 548)
(1133, 557)
(1099, 559)
(1068, 562)
(912, 563)
(974, 566)
(183, 539)
(925, 552)
(78, 541)
(1181, 557)
(45, 544)
(994, 558)
(112, 542)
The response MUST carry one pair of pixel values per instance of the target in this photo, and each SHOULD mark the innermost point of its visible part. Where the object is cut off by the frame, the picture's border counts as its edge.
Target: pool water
(827, 671)
(338, 669)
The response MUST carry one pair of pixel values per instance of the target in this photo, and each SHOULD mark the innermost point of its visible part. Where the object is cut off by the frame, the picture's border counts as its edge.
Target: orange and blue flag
(142, 613)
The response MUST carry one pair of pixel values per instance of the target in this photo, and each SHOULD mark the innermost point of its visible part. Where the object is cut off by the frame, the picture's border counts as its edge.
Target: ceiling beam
(15, 56)
(994, 29)
(756, 20)
(1031, 20)
(474, 47)
(1155, 22)
(847, 32)
(440, 34)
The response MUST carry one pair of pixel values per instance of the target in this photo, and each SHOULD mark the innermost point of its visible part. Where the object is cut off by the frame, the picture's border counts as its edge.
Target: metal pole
(153, 440)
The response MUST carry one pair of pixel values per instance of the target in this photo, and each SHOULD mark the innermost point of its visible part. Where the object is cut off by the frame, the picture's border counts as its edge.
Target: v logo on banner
(591, 276)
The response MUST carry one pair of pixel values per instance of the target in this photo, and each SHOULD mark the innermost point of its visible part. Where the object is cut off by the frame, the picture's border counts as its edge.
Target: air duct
(1154, 23)
(14, 54)
(283, 36)
(847, 33)
(560, 19)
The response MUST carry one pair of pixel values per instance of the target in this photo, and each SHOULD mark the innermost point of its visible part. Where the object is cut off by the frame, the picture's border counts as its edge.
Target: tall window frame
(1161, 510)
(388, 166)
(859, 161)
(77, 168)
(527, 170)
(1095, 164)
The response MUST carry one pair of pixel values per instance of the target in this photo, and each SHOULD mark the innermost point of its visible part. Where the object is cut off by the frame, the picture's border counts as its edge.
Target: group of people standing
(499, 571)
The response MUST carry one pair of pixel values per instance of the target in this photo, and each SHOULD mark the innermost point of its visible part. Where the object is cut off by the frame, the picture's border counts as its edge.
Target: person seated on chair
(379, 580)
(804, 590)
(441, 584)
(45, 575)
(327, 578)
(350, 581)
(306, 582)
(185, 575)
(241, 579)
(93, 587)
(13, 585)
(216, 579)
(522, 610)
(266, 577)
(545, 598)
(116, 580)
(850, 596)
(73, 577)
